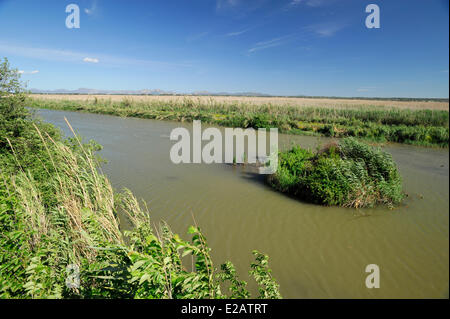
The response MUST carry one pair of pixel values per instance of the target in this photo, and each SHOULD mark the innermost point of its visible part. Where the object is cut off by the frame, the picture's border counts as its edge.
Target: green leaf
(144, 278)
(192, 230)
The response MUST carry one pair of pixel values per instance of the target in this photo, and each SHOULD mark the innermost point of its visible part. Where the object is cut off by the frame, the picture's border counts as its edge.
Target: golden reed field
(244, 100)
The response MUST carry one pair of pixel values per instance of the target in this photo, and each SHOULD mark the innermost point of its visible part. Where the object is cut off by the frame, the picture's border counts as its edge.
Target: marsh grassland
(417, 122)
(248, 100)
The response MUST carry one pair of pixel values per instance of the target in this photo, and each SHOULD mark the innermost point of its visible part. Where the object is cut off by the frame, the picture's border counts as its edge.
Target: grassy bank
(427, 127)
(60, 232)
(348, 173)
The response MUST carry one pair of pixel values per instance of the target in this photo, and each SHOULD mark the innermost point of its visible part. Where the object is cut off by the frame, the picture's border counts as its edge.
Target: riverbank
(380, 121)
(61, 235)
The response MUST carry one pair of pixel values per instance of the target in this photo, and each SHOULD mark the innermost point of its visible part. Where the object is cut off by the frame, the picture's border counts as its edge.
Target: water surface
(315, 251)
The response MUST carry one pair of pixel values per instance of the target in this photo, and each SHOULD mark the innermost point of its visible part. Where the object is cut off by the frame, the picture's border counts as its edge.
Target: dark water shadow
(262, 180)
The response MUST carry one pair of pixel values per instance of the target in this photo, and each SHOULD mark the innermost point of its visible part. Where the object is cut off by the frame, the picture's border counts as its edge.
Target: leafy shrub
(259, 121)
(349, 173)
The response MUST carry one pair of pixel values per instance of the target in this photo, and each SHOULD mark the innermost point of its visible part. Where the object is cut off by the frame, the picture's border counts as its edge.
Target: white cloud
(220, 4)
(315, 3)
(296, 2)
(92, 9)
(321, 30)
(270, 43)
(28, 72)
(234, 34)
(57, 55)
(90, 60)
(325, 29)
(239, 8)
(309, 3)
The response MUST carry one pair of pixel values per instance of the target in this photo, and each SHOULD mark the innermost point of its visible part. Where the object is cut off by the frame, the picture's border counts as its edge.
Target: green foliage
(237, 287)
(350, 173)
(12, 104)
(268, 288)
(421, 127)
(58, 210)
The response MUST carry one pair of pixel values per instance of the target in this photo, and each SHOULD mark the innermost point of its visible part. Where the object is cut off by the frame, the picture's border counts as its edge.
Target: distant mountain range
(140, 92)
(204, 93)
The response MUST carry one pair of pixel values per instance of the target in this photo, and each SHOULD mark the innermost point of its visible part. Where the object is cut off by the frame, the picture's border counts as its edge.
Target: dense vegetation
(60, 215)
(348, 173)
(421, 127)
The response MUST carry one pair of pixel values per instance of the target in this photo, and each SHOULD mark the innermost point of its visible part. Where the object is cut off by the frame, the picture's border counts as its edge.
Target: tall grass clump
(60, 231)
(348, 173)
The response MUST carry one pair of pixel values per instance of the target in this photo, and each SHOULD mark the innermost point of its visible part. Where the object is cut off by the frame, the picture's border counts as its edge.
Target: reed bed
(386, 122)
(420, 104)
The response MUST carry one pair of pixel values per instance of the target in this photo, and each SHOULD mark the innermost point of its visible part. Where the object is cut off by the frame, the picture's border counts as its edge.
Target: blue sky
(280, 47)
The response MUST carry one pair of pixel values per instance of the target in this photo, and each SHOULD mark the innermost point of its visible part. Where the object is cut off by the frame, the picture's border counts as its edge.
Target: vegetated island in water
(346, 173)
(405, 121)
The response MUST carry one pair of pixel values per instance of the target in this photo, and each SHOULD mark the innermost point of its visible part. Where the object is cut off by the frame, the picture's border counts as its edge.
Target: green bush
(350, 173)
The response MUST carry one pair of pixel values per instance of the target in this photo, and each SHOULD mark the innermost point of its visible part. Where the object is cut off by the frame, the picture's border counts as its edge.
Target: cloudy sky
(280, 47)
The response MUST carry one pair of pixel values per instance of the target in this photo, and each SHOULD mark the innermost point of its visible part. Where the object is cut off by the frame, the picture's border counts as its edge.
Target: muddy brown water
(315, 251)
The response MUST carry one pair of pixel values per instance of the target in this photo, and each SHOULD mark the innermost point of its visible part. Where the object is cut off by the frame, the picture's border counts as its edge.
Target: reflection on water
(315, 252)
